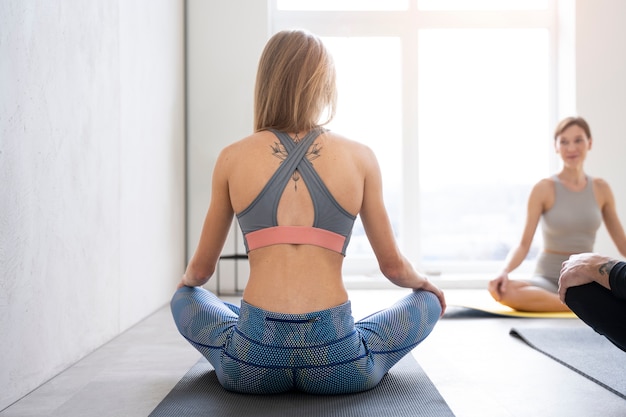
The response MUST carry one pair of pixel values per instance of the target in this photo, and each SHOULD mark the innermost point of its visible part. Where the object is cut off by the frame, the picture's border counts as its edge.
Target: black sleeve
(617, 280)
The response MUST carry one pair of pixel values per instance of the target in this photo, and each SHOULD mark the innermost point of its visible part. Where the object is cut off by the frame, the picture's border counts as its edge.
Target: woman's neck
(573, 177)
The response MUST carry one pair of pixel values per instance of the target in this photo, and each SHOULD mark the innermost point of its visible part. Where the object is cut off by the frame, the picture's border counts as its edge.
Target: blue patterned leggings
(323, 352)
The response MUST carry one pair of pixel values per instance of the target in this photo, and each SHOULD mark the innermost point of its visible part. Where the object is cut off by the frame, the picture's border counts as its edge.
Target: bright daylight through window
(458, 99)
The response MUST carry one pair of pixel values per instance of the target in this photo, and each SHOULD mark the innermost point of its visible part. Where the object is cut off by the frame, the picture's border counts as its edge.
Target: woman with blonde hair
(296, 189)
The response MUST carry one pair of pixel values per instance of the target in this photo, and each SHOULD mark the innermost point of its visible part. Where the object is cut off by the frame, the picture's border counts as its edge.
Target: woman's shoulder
(242, 152)
(543, 193)
(545, 184)
(601, 185)
(599, 182)
(355, 147)
(246, 144)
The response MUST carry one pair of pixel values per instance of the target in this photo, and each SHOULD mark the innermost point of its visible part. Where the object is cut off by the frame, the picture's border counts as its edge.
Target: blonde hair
(295, 83)
(572, 121)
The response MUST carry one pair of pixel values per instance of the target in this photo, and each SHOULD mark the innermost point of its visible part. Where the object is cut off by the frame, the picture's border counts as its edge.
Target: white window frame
(405, 24)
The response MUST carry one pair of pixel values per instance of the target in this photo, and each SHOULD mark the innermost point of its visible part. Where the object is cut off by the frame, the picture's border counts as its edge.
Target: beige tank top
(572, 222)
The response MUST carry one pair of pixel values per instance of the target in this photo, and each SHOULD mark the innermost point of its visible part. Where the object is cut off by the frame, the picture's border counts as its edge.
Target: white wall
(92, 176)
(601, 95)
(225, 41)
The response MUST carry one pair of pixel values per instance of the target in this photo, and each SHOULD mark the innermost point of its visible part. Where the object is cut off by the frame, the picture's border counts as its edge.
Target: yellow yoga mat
(481, 300)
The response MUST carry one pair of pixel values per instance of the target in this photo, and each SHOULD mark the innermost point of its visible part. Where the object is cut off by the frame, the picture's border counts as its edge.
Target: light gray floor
(478, 368)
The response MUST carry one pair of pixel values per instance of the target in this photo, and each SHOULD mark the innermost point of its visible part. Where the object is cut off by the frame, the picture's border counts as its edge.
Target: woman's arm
(609, 215)
(215, 228)
(537, 202)
(392, 263)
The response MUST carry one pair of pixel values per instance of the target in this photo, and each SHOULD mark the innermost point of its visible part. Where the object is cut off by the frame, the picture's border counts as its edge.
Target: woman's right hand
(497, 286)
(429, 286)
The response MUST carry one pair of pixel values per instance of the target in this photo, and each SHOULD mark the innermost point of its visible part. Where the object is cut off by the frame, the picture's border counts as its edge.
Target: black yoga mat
(406, 390)
(582, 350)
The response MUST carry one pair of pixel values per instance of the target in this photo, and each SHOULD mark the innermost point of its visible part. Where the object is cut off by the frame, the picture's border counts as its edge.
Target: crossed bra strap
(332, 224)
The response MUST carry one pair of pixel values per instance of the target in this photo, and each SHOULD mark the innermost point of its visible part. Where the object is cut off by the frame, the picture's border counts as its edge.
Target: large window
(484, 112)
(458, 100)
(374, 115)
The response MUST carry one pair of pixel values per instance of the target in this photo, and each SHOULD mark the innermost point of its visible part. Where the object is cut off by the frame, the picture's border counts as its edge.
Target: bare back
(286, 277)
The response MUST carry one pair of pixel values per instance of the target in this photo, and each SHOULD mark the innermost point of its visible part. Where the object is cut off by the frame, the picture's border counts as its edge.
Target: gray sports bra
(572, 222)
(332, 224)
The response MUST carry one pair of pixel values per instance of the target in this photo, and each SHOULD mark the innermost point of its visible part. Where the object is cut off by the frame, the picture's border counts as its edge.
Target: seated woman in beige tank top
(571, 207)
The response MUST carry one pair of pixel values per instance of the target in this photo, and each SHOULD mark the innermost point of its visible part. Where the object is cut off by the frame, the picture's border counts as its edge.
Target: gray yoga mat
(406, 390)
(582, 350)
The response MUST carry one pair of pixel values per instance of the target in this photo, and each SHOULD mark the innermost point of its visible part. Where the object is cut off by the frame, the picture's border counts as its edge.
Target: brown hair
(295, 83)
(572, 121)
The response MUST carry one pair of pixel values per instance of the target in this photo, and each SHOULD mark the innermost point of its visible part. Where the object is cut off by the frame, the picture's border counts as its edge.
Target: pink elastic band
(297, 235)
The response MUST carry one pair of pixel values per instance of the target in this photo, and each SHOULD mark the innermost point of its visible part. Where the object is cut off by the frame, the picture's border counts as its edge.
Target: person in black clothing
(594, 287)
